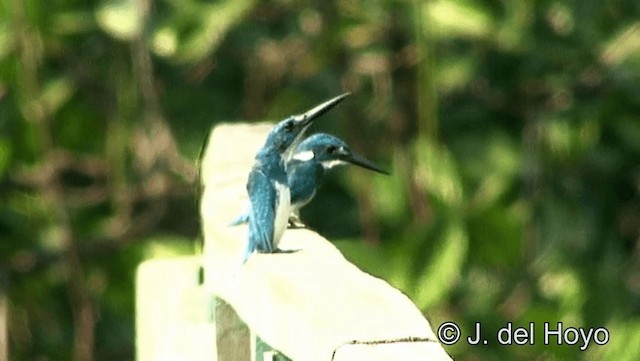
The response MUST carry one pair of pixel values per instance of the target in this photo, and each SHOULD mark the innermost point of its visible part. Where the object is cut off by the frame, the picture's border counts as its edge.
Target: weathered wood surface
(174, 317)
(309, 304)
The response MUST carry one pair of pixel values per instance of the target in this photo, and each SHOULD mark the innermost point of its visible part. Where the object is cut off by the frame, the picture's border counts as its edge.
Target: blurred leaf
(623, 345)
(627, 128)
(496, 235)
(386, 195)
(491, 164)
(6, 45)
(72, 123)
(213, 23)
(453, 18)
(56, 93)
(565, 287)
(514, 33)
(120, 18)
(443, 267)
(565, 225)
(483, 287)
(436, 171)
(455, 73)
(622, 46)
(566, 140)
(539, 313)
(5, 155)
(75, 22)
(165, 41)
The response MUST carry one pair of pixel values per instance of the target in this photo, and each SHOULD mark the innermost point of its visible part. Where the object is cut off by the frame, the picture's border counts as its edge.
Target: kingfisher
(267, 185)
(306, 168)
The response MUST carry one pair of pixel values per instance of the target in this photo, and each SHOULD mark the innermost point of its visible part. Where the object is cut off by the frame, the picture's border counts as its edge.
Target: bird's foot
(296, 223)
(278, 250)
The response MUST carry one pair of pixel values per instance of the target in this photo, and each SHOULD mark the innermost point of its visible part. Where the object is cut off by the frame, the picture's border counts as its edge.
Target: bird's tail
(240, 219)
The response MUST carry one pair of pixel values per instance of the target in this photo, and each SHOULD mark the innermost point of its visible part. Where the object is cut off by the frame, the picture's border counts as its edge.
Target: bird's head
(329, 151)
(287, 134)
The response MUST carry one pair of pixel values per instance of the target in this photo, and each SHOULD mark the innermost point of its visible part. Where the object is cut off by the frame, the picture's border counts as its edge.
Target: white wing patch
(283, 209)
(304, 156)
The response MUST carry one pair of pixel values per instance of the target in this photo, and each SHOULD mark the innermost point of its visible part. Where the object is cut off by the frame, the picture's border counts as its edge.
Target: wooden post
(233, 338)
(174, 313)
(311, 304)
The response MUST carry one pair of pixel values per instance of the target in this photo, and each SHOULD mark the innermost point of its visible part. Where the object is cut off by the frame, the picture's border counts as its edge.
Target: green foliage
(512, 130)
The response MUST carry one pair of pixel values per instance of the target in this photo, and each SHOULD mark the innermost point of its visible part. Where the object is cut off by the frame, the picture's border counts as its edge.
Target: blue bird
(308, 165)
(268, 186)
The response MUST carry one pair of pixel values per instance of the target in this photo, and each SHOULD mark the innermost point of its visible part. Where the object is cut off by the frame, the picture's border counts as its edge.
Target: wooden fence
(308, 305)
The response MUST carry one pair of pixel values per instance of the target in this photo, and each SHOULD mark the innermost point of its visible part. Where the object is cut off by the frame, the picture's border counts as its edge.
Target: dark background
(512, 130)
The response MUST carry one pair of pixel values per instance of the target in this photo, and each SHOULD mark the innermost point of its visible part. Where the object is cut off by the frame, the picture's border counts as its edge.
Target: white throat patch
(304, 156)
(331, 163)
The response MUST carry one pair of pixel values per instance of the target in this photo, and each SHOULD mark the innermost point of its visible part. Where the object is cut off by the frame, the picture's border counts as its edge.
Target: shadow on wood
(311, 304)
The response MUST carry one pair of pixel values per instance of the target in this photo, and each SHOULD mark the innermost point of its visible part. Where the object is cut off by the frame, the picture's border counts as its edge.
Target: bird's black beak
(361, 161)
(305, 120)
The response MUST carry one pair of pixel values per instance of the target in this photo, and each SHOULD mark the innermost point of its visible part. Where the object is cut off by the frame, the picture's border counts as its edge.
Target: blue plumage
(308, 164)
(268, 186)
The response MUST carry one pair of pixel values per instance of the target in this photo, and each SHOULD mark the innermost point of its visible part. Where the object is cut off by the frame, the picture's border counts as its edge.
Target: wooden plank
(174, 317)
(310, 304)
(232, 335)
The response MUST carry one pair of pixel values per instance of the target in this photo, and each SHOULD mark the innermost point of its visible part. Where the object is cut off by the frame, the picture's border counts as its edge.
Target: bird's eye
(332, 149)
(288, 126)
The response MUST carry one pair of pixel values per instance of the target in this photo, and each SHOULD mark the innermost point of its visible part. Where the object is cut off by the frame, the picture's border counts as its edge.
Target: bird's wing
(303, 181)
(262, 195)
